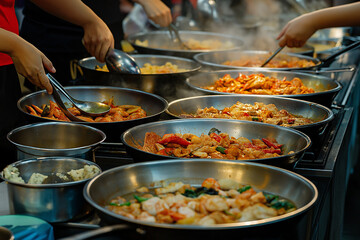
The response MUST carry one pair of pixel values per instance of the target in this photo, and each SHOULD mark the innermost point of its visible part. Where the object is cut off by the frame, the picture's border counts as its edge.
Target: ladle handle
(333, 56)
(97, 232)
(59, 101)
(329, 70)
(60, 87)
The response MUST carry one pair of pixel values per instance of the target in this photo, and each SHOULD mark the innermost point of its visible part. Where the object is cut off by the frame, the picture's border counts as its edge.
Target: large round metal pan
(163, 85)
(215, 60)
(316, 112)
(151, 103)
(160, 42)
(292, 139)
(325, 88)
(123, 180)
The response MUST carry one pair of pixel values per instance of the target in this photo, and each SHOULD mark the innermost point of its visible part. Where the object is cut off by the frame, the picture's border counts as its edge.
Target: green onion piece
(270, 197)
(243, 189)
(277, 204)
(229, 213)
(120, 205)
(140, 199)
(220, 149)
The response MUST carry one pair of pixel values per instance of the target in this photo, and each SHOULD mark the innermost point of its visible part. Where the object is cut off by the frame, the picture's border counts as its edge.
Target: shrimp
(154, 205)
(211, 183)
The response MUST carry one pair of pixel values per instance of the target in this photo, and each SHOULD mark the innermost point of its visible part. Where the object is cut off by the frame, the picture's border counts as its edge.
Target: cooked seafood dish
(259, 84)
(116, 113)
(214, 202)
(280, 61)
(214, 145)
(151, 69)
(193, 44)
(258, 112)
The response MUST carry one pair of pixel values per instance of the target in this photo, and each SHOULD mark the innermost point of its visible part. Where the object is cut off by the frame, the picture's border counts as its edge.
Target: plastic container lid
(27, 227)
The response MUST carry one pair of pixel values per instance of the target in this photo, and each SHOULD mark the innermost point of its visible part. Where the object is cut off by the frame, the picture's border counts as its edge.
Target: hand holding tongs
(173, 30)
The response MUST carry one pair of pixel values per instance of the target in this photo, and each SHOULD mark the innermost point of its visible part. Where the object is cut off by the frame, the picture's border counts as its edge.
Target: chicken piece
(257, 212)
(144, 216)
(215, 203)
(172, 187)
(150, 140)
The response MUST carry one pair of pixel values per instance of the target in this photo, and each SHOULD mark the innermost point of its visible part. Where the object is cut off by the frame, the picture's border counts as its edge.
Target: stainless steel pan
(293, 140)
(125, 179)
(163, 85)
(316, 112)
(151, 103)
(215, 60)
(325, 88)
(160, 42)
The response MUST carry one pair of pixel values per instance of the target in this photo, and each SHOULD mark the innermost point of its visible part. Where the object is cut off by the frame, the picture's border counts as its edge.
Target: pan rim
(228, 226)
(260, 70)
(192, 70)
(303, 135)
(197, 57)
(161, 99)
(132, 39)
(329, 117)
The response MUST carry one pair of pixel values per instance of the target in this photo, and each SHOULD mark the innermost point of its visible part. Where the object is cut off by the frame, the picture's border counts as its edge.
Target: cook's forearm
(74, 11)
(9, 41)
(339, 16)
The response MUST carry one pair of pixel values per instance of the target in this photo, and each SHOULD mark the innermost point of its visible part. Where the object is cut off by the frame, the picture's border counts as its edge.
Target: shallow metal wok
(160, 42)
(292, 139)
(215, 60)
(316, 112)
(325, 88)
(163, 85)
(125, 179)
(151, 103)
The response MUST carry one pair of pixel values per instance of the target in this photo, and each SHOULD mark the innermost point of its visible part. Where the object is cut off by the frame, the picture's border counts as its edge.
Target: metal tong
(174, 31)
(272, 56)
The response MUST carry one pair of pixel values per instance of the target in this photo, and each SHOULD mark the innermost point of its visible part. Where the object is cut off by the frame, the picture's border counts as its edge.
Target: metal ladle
(92, 109)
(119, 61)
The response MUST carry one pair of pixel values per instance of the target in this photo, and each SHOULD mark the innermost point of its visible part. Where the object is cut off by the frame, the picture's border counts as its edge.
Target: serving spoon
(92, 109)
(119, 61)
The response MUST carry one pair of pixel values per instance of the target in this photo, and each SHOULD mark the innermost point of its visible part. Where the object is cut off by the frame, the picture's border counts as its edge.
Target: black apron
(10, 117)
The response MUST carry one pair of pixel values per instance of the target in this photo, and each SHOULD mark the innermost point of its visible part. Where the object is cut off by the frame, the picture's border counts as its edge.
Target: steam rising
(257, 22)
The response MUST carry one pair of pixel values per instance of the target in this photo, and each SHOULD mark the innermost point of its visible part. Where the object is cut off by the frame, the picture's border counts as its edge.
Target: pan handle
(333, 56)
(96, 232)
(329, 70)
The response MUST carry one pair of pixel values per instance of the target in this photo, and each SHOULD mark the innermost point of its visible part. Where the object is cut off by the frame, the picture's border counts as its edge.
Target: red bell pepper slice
(174, 139)
(291, 120)
(271, 144)
(215, 136)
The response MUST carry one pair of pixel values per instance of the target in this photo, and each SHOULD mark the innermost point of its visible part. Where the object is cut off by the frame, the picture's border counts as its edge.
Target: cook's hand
(97, 39)
(156, 11)
(296, 32)
(30, 62)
